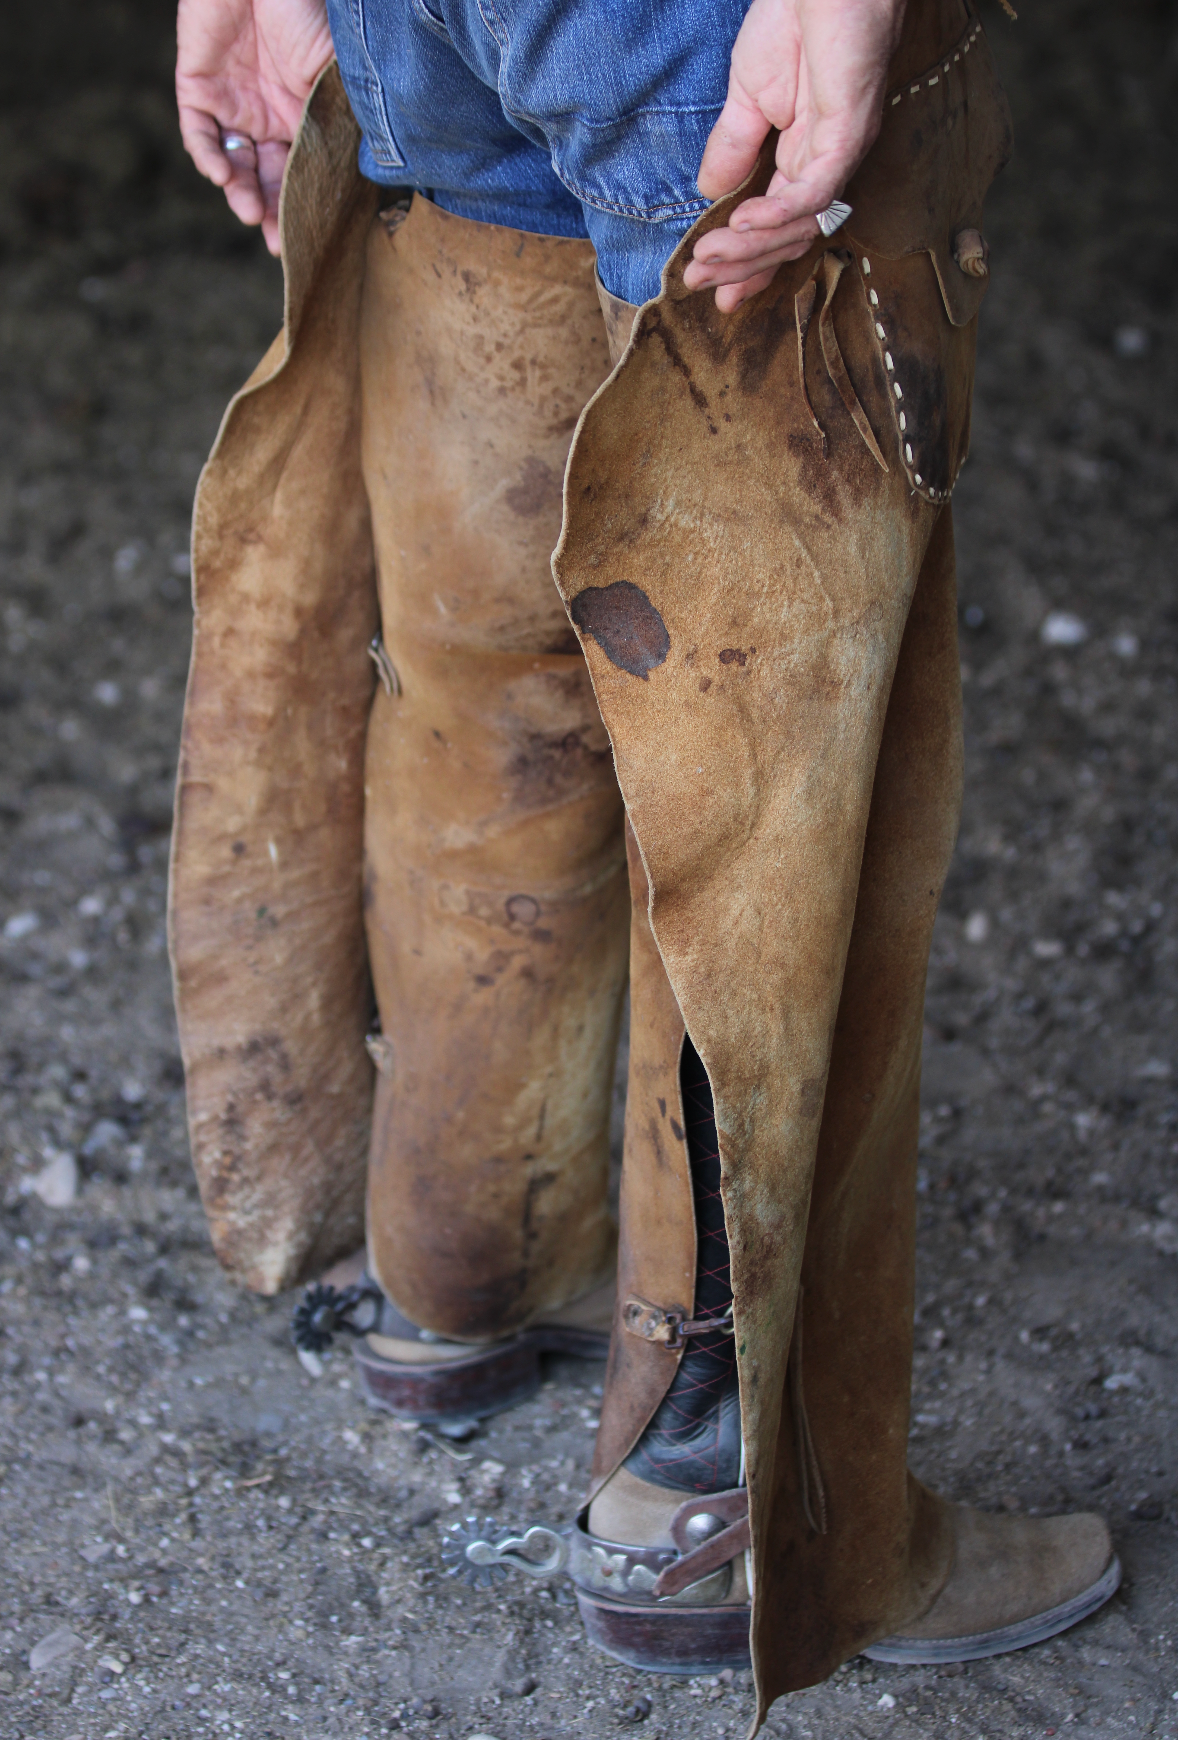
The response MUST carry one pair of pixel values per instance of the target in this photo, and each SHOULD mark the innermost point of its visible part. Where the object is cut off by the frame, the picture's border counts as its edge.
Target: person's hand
(245, 68)
(816, 69)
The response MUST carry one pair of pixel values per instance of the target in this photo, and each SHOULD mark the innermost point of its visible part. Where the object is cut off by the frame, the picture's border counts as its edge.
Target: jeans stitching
(692, 208)
(391, 158)
(648, 214)
(426, 17)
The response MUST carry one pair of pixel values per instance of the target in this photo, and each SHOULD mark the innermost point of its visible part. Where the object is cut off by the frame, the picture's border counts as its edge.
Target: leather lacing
(829, 268)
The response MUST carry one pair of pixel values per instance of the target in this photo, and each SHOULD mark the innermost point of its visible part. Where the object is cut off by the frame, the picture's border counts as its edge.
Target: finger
(728, 244)
(730, 296)
(733, 144)
(243, 190)
(786, 202)
(202, 141)
(697, 276)
(272, 156)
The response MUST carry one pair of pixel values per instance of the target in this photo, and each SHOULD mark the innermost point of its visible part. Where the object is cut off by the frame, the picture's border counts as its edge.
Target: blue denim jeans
(564, 117)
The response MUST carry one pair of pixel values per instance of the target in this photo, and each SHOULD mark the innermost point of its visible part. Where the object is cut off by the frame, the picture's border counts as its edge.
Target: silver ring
(834, 217)
(237, 142)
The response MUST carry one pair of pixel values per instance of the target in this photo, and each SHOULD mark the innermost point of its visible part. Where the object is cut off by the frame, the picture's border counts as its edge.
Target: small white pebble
(107, 694)
(885, 1701)
(977, 927)
(56, 1184)
(1063, 628)
(21, 924)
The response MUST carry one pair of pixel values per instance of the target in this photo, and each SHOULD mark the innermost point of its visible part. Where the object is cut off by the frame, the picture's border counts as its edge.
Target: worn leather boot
(496, 896)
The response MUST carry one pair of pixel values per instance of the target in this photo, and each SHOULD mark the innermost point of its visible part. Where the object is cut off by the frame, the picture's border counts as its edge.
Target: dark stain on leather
(564, 642)
(625, 625)
(734, 655)
(925, 404)
(761, 338)
(811, 1095)
(523, 909)
(659, 329)
(548, 768)
(539, 487)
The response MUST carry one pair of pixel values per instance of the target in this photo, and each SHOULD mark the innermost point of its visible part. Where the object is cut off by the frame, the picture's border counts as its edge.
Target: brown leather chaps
(744, 753)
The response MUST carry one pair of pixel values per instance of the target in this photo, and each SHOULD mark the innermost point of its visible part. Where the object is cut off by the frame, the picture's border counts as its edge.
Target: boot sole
(914, 1651)
(487, 1381)
(698, 1640)
(668, 1640)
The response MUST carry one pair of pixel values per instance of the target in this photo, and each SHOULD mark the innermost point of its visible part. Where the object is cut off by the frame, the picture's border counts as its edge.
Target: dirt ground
(235, 1547)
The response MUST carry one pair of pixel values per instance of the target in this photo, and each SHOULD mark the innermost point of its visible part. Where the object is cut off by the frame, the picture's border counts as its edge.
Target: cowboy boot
(496, 898)
(758, 554)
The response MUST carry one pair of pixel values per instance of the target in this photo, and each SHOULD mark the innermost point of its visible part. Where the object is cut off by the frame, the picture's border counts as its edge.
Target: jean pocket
(433, 21)
(642, 165)
(353, 23)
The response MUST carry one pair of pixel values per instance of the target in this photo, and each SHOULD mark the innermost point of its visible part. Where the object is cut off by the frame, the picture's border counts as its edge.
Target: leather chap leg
(758, 555)
(496, 894)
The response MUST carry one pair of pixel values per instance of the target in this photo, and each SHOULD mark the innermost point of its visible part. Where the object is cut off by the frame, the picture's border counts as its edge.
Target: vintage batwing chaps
(759, 692)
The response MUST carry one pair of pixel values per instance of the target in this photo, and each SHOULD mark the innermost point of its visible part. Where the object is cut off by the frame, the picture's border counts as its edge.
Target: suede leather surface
(1010, 1568)
(266, 930)
(771, 630)
(496, 893)
(657, 1245)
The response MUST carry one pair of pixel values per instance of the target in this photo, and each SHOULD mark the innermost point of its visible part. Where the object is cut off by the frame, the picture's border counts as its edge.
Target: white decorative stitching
(931, 493)
(915, 90)
(865, 265)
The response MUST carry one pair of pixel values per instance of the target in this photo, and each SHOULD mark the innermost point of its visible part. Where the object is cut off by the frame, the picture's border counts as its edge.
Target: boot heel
(485, 1382)
(668, 1640)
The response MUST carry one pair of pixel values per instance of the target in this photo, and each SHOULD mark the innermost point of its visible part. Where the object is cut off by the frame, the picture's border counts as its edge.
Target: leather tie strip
(829, 267)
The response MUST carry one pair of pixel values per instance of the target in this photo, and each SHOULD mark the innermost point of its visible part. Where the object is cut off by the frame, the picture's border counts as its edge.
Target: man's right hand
(247, 67)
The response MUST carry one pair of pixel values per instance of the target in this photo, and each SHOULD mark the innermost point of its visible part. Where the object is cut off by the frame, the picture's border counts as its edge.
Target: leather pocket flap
(945, 135)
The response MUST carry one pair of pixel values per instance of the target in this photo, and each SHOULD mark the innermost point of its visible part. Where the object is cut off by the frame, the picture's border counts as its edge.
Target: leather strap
(669, 1326)
(696, 1562)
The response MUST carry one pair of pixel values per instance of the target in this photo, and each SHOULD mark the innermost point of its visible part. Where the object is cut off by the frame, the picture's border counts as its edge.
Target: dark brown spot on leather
(763, 332)
(705, 684)
(676, 1131)
(537, 489)
(239, 848)
(625, 625)
(658, 327)
(733, 655)
(811, 1095)
(662, 1107)
(550, 767)
(523, 909)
